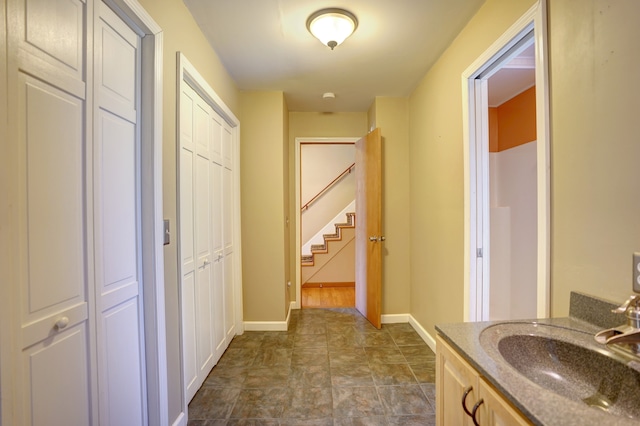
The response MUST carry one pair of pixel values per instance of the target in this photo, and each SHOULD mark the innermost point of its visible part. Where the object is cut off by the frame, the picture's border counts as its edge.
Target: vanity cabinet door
(495, 411)
(454, 378)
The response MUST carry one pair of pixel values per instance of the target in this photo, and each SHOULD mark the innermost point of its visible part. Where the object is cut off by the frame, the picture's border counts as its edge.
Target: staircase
(320, 249)
(332, 262)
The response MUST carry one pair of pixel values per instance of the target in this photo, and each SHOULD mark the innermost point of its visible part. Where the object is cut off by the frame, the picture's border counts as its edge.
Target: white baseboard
(402, 318)
(181, 420)
(265, 326)
(428, 339)
(394, 318)
(270, 325)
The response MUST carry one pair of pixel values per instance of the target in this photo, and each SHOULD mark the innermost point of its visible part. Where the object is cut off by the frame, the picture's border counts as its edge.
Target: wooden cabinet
(462, 394)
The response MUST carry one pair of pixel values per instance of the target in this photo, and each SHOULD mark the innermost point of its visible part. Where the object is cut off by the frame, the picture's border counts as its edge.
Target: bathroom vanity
(542, 372)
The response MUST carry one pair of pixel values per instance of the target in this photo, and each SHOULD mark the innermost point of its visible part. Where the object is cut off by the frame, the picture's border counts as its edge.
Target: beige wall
(263, 202)
(391, 115)
(436, 173)
(316, 125)
(594, 147)
(286, 205)
(181, 33)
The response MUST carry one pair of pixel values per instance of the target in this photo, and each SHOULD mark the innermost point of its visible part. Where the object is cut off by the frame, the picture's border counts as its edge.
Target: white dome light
(332, 26)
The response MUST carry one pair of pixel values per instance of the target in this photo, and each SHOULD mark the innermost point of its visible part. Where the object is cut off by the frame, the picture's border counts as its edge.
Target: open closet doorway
(327, 189)
(506, 143)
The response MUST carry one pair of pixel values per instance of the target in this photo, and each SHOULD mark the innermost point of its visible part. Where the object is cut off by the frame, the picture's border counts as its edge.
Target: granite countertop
(541, 406)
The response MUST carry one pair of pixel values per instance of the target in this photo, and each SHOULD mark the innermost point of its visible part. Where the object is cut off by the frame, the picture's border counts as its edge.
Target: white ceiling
(512, 79)
(265, 45)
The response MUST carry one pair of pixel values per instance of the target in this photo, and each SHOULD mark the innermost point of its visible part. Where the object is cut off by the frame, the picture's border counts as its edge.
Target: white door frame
(298, 216)
(476, 166)
(188, 74)
(152, 211)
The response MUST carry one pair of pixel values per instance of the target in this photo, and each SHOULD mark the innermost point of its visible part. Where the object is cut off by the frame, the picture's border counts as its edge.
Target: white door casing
(57, 349)
(476, 179)
(298, 216)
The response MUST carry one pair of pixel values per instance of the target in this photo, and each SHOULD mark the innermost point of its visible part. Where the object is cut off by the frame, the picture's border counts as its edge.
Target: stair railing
(326, 188)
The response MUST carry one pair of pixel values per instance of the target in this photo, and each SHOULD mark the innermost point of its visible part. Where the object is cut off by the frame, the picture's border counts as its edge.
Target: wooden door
(369, 227)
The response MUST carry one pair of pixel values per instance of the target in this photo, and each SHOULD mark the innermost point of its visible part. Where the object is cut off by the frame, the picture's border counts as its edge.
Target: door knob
(373, 238)
(62, 323)
(382, 238)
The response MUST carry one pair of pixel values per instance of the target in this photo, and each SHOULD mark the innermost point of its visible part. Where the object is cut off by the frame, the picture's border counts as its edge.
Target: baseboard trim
(270, 325)
(181, 420)
(403, 318)
(428, 339)
(265, 326)
(394, 318)
(323, 284)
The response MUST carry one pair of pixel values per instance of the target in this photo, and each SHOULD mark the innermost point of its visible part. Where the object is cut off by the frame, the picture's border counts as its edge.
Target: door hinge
(479, 252)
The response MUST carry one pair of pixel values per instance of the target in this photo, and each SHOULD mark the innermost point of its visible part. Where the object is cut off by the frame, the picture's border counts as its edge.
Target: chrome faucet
(627, 335)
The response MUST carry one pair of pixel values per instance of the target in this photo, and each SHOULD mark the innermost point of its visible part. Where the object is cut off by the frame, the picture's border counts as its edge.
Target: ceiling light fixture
(332, 26)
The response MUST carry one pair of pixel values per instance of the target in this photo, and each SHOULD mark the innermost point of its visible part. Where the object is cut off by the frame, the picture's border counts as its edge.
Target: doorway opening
(327, 188)
(507, 190)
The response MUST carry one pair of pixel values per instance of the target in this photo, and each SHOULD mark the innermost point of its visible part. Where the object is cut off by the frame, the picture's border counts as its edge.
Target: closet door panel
(54, 223)
(117, 219)
(59, 363)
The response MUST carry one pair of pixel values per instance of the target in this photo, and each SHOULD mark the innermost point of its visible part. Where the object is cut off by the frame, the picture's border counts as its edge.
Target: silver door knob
(382, 238)
(373, 238)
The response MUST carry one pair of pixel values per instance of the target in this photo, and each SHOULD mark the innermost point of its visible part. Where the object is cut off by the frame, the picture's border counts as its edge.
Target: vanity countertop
(539, 405)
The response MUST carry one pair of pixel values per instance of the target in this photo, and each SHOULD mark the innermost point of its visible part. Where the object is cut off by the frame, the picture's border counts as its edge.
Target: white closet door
(218, 245)
(202, 238)
(119, 339)
(51, 316)
(228, 237)
(198, 260)
(204, 274)
(187, 235)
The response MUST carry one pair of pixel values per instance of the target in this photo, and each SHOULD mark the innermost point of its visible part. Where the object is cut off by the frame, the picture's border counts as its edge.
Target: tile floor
(332, 367)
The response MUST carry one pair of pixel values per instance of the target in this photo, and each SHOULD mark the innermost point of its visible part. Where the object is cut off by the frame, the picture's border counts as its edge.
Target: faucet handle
(623, 308)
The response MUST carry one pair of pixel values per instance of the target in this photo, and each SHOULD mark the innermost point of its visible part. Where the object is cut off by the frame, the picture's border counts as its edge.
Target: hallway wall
(436, 168)
(594, 152)
(181, 33)
(264, 205)
(391, 115)
(594, 147)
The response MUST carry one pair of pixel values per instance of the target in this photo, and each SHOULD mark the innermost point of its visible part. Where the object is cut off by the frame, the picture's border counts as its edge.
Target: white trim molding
(476, 268)
(408, 318)
(426, 336)
(394, 318)
(299, 141)
(270, 325)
